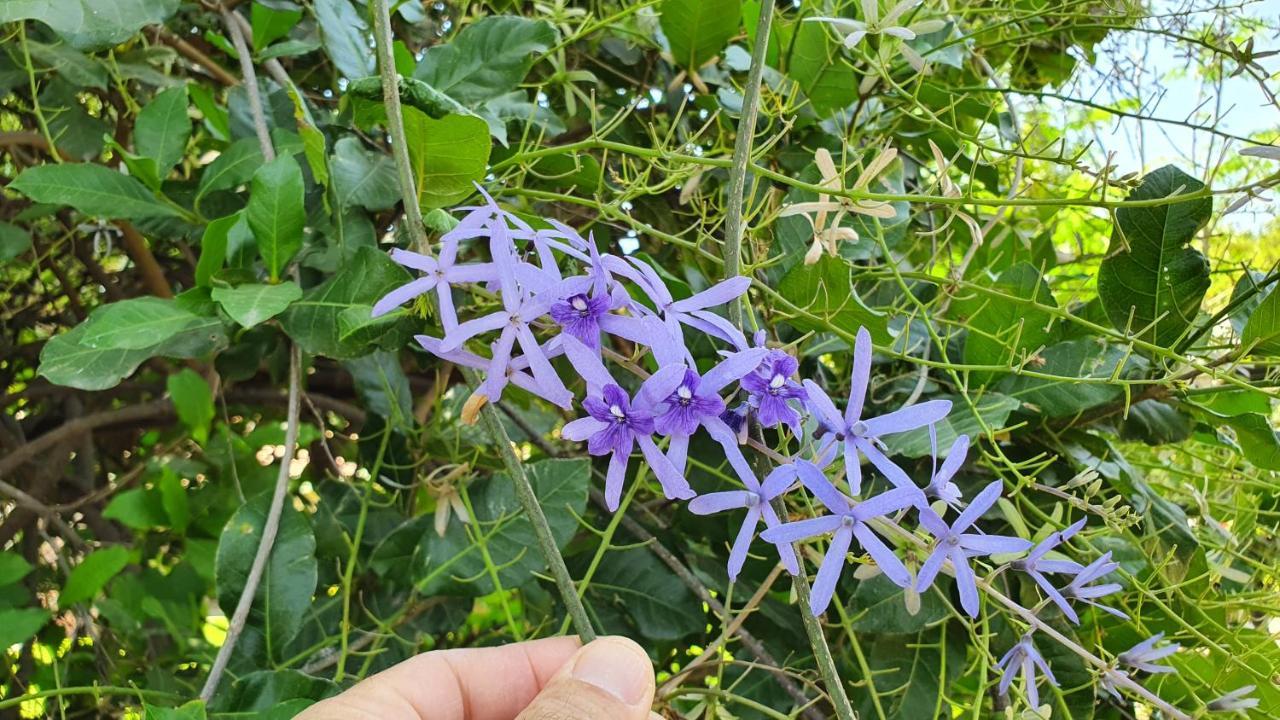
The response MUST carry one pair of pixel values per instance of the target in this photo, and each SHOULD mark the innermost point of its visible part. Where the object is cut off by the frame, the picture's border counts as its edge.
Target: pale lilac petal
(613, 480)
(471, 328)
(929, 571)
(786, 552)
(417, 261)
(731, 368)
(718, 502)
(715, 326)
(678, 452)
(738, 555)
(402, 295)
(471, 273)
(674, 486)
(802, 529)
(540, 367)
(581, 429)
(993, 544)
(934, 524)
(465, 358)
(895, 474)
(861, 376)
(448, 313)
(718, 294)
(659, 386)
(778, 481)
(1056, 597)
(888, 562)
(627, 328)
(885, 503)
(587, 364)
(496, 377)
(966, 583)
(908, 418)
(852, 465)
(820, 487)
(982, 503)
(824, 585)
(822, 406)
(723, 434)
(955, 458)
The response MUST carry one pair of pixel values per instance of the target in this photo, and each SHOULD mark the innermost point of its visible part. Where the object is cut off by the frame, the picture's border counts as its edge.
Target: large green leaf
(816, 63)
(878, 605)
(454, 565)
(448, 155)
(193, 710)
(140, 323)
(20, 624)
(1085, 358)
(1003, 331)
(363, 178)
(634, 584)
(92, 574)
(698, 30)
(90, 24)
(343, 31)
(254, 303)
(824, 291)
(13, 241)
(271, 24)
(383, 387)
(1262, 329)
(486, 59)
(284, 595)
(92, 189)
(992, 412)
(913, 673)
(74, 66)
(162, 129)
(1152, 281)
(260, 694)
(276, 213)
(13, 567)
(234, 166)
(193, 400)
(313, 321)
(140, 509)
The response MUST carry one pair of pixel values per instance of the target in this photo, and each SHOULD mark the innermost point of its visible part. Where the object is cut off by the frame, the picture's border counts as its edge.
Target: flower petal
(718, 502)
(888, 562)
(801, 529)
(824, 585)
(861, 376)
(908, 418)
(738, 555)
(581, 429)
(980, 505)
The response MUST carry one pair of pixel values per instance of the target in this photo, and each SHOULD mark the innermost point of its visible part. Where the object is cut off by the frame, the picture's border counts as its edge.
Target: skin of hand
(610, 678)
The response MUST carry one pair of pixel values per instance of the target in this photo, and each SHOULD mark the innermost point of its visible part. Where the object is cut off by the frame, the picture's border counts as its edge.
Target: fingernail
(616, 666)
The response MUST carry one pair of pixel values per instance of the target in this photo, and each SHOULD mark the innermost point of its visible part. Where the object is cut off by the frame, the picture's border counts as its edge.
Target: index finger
(462, 684)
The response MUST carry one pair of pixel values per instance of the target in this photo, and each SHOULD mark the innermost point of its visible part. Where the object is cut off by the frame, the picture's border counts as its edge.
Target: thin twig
(251, 81)
(395, 124)
(270, 526)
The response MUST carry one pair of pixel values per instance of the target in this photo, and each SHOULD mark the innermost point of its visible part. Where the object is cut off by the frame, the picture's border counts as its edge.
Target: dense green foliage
(1107, 340)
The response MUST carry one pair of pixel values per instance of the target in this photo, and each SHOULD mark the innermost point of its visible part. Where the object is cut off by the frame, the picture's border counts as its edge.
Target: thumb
(611, 677)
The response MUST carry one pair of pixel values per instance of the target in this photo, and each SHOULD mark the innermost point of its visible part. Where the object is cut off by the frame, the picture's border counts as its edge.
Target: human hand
(610, 678)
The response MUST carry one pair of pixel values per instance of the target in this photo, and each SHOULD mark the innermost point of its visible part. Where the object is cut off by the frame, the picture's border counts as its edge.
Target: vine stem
(269, 529)
(488, 413)
(735, 221)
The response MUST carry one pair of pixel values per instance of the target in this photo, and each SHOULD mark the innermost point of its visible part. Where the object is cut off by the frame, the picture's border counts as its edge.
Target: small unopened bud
(471, 409)
(911, 599)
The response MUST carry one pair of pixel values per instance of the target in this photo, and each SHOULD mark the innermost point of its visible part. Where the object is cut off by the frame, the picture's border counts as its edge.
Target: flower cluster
(616, 322)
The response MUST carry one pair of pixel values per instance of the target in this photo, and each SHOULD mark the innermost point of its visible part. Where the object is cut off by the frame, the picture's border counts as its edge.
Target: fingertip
(617, 665)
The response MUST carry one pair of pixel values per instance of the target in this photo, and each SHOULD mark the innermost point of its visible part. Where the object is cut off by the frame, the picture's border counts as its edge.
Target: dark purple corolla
(848, 520)
(956, 545)
(862, 436)
(756, 499)
(616, 422)
(772, 390)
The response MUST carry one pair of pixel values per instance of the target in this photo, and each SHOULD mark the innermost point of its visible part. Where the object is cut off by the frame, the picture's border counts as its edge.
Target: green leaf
(90, 24)
(1262, 329)
(92, 189)
(358, 328)
(235, 166)
(140, 323)
(1002, 331)
(18, 625)
(77, 68)
(1246, 296)
(14, 241)
(140, 509)
(92, 574)
(912, 673)
(383, 387)
(263, 693)
(276, 214)
(13, 567)
(1085, 358)
(343, 31)
(486, 59)
(993, 410)
(448, 156)
(818, 65)
(363, 178)
(213, 248)
(173, 498)
(162, 129)
(1155, 423)
(637, 585)
(255, 303)
(825, 292)
(698, 30)
(878, 605)
(454, 565)
(193, 710)
(284, 595)
(1257, 439)
(1152, 281)
(193, 400)
(313, 321)
(270, 24)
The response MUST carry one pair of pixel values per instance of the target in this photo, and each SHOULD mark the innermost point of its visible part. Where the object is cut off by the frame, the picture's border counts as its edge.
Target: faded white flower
(949, 189)
(444, 484)
(828, 237)
(853, 32)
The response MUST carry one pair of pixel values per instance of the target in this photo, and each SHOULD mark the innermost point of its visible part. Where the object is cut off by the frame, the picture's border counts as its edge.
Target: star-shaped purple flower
(755, 498)
(772, 390)
(1082, 587)
(1024, 656)
(862, 436)
(942, 480)
(1035, 565)
(956, 545)
(847, 521)
(616, 423)
(694, 310)
(516, 371)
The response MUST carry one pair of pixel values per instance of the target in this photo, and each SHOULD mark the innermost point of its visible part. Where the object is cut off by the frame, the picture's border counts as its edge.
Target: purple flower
(580, 316)
(441, 274)
(1035, 565)
(694, 310)
(956, 545)
(771, 389)
(1234, 701)
(1024, 656)
(756, 500)
(696, 402)
(515, 372)
(860, 435)
(1144, 655)
(941, 482)
(615, 423)
(1082, 588)
(847, 521)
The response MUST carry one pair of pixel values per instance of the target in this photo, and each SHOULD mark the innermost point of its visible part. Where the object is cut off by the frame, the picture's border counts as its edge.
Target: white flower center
(579, 303)
(858, 429)
(684, 392)
(777, 382)
(617, 412)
